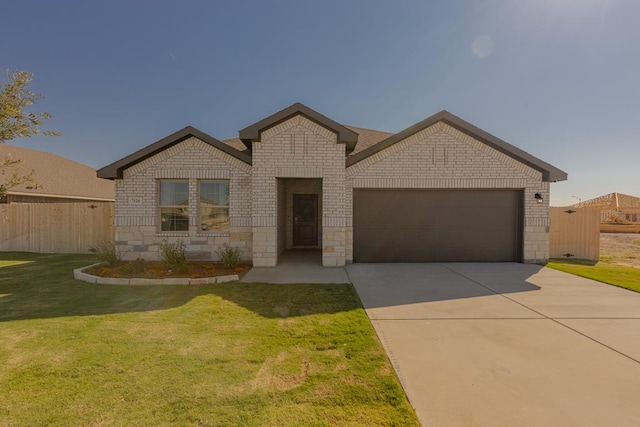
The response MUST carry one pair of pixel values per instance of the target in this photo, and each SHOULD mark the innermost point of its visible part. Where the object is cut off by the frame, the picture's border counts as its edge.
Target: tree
(15, 122)
(15, 97)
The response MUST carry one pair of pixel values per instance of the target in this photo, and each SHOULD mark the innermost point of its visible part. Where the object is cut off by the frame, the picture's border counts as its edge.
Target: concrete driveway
(507, 344)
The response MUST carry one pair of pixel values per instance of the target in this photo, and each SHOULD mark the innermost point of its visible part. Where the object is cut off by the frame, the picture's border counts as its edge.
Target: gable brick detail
(300, 122)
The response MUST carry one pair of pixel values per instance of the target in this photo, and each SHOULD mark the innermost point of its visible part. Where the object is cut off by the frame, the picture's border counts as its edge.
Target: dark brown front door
(305, 220)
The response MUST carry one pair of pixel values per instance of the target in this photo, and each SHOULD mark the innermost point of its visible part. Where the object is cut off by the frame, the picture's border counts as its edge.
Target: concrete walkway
(506, 344)
(297, 266)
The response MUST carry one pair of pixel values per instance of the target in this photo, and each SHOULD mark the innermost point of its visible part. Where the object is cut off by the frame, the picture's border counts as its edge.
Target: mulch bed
(158, 270)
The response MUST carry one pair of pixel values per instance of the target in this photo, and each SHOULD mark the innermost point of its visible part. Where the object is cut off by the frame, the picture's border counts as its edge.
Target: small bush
(174, 256)
(137, 266)
(228, 256)
(107, 253)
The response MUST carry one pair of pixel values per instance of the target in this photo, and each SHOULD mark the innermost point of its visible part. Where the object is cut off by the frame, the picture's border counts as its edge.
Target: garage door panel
(437, 225)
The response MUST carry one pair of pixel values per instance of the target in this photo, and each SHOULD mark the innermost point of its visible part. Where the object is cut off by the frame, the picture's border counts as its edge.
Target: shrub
(107, 253)
(174, 255)
(228, 256)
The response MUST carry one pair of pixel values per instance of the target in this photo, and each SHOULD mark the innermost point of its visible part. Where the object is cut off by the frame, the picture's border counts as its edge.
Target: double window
(212, 209)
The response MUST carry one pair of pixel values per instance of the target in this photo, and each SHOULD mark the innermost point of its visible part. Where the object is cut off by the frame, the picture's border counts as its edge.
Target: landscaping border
(79, 274)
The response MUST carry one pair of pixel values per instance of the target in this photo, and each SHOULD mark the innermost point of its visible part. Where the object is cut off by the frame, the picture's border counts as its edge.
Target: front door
(305, 220)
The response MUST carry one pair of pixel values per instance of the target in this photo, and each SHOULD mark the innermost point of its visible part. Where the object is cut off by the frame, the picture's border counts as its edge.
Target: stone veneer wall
(298, 148)
(136, 222)
(441, 157)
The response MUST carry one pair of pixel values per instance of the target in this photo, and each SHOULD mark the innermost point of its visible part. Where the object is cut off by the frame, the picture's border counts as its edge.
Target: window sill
(212, 234)
(172, 234)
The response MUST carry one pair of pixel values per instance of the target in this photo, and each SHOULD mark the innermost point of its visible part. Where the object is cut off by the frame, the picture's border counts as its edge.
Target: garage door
(437, 225)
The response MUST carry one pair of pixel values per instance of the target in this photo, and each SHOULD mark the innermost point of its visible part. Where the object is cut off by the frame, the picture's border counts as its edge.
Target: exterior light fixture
(538, 198)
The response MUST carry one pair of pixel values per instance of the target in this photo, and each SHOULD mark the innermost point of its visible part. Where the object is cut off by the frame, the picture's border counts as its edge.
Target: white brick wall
(298, 148)
(261, 205)
(137, 230)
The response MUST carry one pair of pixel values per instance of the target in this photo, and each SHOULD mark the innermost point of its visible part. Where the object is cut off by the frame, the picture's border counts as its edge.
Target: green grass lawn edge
(611, 274)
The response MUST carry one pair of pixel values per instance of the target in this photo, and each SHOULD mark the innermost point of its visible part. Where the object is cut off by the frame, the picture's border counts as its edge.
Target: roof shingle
(57, 176)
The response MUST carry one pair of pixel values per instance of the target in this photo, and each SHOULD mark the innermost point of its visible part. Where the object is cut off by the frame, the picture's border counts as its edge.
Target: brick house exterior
(300, 167)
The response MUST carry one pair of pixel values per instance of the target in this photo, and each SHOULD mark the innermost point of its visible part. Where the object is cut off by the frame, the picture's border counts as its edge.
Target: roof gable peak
(116, 169)
(549, 172)
(253, 132)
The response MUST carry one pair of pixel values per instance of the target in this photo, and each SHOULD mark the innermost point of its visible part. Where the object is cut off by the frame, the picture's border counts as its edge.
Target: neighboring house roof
(56, 176)
(549, 172)
(360, 143)
(252, 133)
(115, 169)
(614, 202)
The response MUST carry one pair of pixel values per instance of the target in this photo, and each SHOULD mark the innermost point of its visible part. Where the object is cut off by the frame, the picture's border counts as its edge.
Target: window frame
(200, 207)
(187, 207)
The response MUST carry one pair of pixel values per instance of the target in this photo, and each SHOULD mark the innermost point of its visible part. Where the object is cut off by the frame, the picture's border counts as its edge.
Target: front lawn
(617, 275)
(72, 353)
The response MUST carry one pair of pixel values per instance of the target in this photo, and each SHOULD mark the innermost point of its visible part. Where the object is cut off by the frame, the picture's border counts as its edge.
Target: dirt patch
(621, 249)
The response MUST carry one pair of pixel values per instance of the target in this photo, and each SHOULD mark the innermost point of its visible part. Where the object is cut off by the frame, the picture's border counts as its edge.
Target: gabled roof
(114, 170)
(56, 176)
(366, 138)
(549, 172)
(253, 132)
(360, 143)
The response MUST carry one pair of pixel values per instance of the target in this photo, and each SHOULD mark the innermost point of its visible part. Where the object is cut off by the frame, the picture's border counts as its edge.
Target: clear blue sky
(558, 78)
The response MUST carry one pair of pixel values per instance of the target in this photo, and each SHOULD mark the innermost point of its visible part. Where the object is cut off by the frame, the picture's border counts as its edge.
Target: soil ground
(620, 248)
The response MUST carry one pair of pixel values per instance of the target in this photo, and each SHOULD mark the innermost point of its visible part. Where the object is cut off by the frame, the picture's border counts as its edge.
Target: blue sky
(557, 78)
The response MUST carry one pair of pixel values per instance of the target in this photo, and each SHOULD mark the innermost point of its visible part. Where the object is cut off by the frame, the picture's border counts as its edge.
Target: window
(214, 206)
(174, 205)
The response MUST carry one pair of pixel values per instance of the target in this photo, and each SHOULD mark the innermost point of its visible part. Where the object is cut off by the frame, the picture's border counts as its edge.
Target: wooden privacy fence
(72, 227)
(574, 233)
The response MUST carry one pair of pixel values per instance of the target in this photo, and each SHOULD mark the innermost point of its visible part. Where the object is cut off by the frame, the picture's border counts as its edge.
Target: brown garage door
(437, 225)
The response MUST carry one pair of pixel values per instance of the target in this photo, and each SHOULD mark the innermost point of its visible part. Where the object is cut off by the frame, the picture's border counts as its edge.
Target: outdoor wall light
(538, 198)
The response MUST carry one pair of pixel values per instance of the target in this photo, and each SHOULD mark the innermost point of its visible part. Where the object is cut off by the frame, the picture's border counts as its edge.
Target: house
(614, 207)
(55, 180)
(440, 190)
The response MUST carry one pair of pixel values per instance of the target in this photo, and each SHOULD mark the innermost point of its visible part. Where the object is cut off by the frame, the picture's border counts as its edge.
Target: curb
(79, 274)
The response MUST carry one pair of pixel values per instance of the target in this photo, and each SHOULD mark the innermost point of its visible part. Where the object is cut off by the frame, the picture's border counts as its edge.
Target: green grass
(617, 275)
(72, 353)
